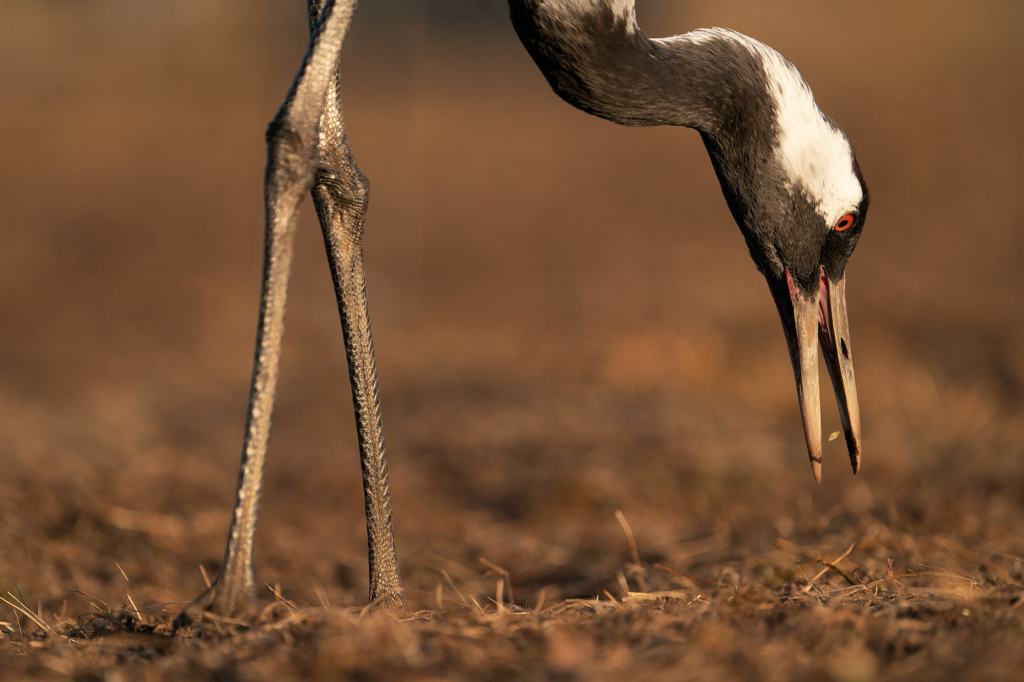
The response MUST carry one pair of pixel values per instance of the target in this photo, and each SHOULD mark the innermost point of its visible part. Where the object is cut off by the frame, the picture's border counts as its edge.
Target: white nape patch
(705, 35)
(624, 9)
(815, 155)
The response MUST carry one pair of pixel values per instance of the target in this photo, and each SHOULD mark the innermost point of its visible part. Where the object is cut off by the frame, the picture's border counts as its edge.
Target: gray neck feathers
(596, 58)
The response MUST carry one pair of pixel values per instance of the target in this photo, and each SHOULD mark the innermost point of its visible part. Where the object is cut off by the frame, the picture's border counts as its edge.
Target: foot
(219, 602)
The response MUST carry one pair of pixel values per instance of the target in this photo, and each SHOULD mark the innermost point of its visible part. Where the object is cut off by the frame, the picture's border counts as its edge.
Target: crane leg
(341, 194)
(307, 150)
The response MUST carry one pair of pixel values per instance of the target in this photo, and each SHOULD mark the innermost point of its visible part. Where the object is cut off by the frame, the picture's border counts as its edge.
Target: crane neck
(596, 58)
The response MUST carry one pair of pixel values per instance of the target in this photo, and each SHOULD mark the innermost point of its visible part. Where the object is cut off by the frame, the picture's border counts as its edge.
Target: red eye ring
(845, 223)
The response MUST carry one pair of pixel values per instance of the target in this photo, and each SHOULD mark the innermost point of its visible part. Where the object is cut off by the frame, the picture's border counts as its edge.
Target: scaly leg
(341, 193)
(292, 160)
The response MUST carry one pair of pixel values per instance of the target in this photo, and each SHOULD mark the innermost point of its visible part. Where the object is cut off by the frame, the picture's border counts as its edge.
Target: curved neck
(596, 58)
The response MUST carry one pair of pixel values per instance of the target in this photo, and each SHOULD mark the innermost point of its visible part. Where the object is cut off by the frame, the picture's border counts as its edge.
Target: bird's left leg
(341, 194)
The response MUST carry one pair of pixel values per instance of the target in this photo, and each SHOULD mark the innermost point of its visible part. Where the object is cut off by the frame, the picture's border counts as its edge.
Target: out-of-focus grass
(798, 610)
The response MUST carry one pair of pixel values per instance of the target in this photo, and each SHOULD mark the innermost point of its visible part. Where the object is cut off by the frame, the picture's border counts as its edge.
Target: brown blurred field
(567, 325)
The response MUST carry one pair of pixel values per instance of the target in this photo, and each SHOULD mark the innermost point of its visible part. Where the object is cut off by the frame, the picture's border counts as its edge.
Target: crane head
(792, 182)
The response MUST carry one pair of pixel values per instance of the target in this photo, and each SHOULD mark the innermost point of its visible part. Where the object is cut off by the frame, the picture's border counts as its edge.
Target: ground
(595, 449)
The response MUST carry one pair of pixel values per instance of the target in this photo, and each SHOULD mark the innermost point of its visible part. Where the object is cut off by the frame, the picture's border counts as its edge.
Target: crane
(788, 173)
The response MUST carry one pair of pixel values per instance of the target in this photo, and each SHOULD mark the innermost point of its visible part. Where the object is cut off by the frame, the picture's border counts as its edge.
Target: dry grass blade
(623, 583)
(505, 574)
(890, 575)
(634, 552)
(477, 605)
(321, 597)
(830, 566)
(451, 583)
(940, 572)
(206, 578)
(276, 591)
(499, 594)
(91, 601)
(540, 601)
(127, 594)
(19, 606)
(662, 595)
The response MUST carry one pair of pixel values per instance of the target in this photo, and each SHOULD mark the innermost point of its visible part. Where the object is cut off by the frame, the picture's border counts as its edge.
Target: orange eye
(845, 223)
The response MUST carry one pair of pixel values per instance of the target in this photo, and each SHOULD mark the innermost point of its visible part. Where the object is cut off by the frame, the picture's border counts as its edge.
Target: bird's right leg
(292, 152)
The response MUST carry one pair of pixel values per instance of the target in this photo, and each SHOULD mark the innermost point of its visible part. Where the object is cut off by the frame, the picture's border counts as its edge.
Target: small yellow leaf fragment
(833, 436)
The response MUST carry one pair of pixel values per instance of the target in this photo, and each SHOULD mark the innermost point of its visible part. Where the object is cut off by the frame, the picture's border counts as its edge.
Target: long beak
(823, 312)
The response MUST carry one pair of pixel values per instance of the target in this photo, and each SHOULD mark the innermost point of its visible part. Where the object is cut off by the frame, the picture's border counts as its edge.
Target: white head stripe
(625, 9)
(814, 154)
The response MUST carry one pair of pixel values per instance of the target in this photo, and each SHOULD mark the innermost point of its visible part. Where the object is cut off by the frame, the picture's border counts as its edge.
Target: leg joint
(290, 152)
(347, 186)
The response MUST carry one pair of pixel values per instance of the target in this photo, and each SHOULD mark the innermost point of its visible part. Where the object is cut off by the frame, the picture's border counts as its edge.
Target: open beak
(807, 320)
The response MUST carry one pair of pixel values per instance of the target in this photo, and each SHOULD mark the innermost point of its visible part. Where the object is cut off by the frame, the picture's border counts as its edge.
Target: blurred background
(566, 319)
